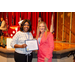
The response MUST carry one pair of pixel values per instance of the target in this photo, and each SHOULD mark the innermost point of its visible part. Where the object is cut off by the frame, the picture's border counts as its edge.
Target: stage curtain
(45, 16)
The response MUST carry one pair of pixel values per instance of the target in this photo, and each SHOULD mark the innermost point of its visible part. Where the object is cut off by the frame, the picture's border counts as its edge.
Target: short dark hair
(22, 24)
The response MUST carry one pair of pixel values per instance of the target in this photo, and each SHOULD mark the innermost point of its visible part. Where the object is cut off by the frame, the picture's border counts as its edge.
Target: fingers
(46, 59)
(24, 45)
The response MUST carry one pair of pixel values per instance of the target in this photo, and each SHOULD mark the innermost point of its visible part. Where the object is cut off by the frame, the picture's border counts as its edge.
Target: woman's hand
(46, 59)
(20, 46)
(23, 45)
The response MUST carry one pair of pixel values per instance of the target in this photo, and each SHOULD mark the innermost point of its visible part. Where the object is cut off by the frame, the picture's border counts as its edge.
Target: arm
(20, 46)
(14, 42)
(51, 46)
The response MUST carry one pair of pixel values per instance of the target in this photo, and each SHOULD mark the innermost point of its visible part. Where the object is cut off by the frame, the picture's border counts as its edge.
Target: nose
(26, 26)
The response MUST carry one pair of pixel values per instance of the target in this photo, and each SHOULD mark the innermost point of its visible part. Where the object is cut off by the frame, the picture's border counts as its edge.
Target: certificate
(31, 45)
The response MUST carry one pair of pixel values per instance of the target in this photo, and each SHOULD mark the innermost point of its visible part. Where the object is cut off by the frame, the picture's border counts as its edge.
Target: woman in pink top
(45, 43)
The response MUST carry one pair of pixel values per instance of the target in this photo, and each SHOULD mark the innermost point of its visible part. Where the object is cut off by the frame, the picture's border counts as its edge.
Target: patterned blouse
(19, 38)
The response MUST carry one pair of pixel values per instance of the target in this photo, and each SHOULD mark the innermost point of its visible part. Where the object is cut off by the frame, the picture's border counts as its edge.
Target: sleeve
(51, 46)
(14, 40)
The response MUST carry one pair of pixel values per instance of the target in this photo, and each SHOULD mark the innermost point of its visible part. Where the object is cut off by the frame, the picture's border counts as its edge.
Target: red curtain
(33, 16)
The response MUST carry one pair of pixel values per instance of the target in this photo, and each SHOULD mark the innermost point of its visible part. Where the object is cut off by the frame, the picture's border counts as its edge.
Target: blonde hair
(46, 29)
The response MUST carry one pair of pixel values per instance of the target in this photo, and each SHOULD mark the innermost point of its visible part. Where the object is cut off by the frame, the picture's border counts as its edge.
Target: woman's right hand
(23, 45)
(20, 46)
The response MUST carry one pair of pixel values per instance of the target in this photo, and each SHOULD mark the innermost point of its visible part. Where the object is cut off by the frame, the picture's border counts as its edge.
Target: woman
(18, 42)
(3, 26)
(45, 42)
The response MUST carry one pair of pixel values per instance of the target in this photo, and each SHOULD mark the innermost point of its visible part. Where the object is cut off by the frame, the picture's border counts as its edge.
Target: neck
(42, 32)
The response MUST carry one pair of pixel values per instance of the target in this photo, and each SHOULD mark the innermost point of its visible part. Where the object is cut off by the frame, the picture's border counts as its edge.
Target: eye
(26, 24)
(43, 26)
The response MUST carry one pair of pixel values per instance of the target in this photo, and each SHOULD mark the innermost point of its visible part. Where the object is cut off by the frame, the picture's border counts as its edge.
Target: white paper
(32, 45)
(8, 42)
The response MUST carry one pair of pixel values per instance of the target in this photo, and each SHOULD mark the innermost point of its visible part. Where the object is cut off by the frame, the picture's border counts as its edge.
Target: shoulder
(18, 33)
(49, 34)
(3, 22)
(30, 33)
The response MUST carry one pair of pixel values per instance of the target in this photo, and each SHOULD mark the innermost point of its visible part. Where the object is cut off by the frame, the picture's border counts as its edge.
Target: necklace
(40, 35)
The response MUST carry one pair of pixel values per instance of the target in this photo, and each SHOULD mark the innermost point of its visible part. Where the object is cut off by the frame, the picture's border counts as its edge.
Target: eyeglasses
(26, 24)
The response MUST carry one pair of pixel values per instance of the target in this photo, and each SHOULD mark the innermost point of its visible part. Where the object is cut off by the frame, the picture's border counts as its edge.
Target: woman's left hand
(46, 59)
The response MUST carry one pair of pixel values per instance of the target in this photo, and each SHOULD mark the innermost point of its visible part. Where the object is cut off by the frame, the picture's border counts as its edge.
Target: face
(42, 28)
(26, 27)
(1, 19)
(39, 20)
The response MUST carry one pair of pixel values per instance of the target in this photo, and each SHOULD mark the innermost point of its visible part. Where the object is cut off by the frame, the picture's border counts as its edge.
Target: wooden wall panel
(67, 22)
(67, 26)
(73, 28)
(60, 22)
